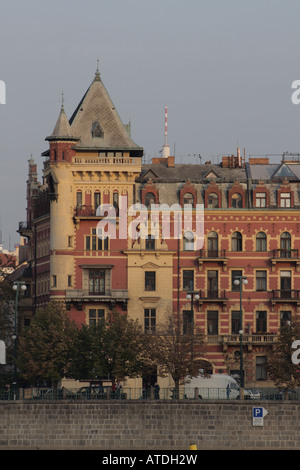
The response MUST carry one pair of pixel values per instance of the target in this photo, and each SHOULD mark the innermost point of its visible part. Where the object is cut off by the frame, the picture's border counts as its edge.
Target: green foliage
(44, 349)
(178, 353)
(114, 348)
(280, 367)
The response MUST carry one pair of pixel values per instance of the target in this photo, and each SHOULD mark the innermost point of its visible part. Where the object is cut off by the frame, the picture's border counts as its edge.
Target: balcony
(286, 296)
(218, 256)
(213, 296)
(84, 211)
(25, 229)
(254, 339)
(80, 295)
(287, 256)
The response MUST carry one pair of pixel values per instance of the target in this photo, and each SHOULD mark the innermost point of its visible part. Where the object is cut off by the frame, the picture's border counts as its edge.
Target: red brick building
(251, 228)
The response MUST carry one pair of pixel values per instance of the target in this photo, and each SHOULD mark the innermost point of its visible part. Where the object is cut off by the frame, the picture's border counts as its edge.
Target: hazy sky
(224, 68)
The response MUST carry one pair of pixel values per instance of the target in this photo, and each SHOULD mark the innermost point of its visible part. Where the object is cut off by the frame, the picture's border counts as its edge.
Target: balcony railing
(85, 211)
(212, 294)
(285, 253)
(81, 295)
(212, 256)
(286, 294)
(215, 254)
(89, 211)
(254, 338)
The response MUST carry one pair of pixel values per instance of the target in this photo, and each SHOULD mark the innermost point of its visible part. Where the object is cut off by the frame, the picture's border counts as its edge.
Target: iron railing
(184, 393)
(285, 253)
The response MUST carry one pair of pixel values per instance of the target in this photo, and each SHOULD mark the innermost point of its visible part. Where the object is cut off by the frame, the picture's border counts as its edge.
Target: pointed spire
(62, 101)
(97, 74)
(62, 127)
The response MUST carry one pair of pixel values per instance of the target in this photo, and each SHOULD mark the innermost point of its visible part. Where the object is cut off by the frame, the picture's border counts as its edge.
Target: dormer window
(237, 201)
(97, 130)
(285, 199)
(149, 199)
(188, 198)
(260, 199)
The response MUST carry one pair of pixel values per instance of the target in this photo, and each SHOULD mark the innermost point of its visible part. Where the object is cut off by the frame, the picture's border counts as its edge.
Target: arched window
(149, 199)
(236, 241)
(285, 245)
(212, 201)
(212, 245)
(236, 201)
(261, 241)
(188, 198)
(188, 241)
(79, 199)
(97, 199)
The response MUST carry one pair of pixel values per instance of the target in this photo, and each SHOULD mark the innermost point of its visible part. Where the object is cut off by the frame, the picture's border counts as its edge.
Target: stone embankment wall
(147, 425)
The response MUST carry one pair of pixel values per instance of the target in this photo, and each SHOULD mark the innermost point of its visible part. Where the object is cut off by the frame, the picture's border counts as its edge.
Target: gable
(284, 172)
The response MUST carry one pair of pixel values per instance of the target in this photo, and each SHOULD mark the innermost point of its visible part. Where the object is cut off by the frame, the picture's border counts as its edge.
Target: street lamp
(191, 295)
(239, 281)
(16, 286)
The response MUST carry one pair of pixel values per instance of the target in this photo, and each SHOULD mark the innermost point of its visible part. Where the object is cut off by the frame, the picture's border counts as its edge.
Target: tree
(280, 367)
(44, 350)
(7, 303)
(113, 348)
(176, 352)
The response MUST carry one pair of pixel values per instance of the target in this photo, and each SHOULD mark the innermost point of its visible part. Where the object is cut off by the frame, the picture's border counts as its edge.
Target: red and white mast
(166, 148)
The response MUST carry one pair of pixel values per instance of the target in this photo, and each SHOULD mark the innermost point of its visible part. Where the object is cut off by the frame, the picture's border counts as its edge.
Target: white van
(216, 386)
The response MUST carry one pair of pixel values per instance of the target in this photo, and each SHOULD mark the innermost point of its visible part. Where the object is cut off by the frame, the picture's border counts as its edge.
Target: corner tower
(91, 160)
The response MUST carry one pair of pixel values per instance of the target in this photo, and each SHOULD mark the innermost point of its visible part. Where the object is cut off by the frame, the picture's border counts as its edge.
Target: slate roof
(203, 173)
(274, 171)
(191, 172)
(94, 111)
(62, 129)
(96, 107)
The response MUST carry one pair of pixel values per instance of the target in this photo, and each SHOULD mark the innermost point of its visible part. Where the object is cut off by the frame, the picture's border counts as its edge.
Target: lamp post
(191, 295)
(16, 286)
(239, 281)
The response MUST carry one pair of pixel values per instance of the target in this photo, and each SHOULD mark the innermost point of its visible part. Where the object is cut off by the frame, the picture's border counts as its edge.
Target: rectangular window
(97, 281)
(149, 320)
(188, 321)
(261, 280)
(261, 372)
(150, 280)
(150, 243)
(261, 321)
(69, 280)
(54, 281)
(212, 284)
(285, 317)
(95, 315)
(212, 322)
(235, 322)
(94, 242)
(188, 280)
(285, 200)
(234, 275)
(285, 284)
(260, 199)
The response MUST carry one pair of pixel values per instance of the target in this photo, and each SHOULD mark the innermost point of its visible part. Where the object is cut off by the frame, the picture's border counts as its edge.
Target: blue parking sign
(258, 414)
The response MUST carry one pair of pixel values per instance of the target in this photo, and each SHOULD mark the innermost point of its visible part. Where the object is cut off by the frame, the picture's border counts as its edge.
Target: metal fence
(94, 393)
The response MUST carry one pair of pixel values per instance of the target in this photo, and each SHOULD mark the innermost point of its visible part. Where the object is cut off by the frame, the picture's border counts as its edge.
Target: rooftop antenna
(166, 148)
